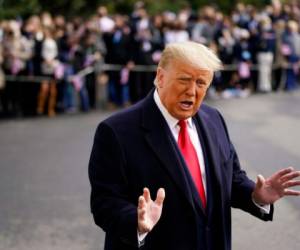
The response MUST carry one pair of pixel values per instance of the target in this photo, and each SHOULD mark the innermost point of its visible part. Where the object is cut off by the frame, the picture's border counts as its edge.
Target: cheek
(201, 93)
(200, 97)
(175, 92)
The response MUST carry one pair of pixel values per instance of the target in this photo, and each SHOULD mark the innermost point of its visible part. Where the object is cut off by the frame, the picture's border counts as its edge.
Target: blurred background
(67, 65)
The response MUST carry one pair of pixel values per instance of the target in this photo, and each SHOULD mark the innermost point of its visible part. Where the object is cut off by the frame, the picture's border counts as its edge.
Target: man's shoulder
(211, 116)
(208, 110)
(207, 107)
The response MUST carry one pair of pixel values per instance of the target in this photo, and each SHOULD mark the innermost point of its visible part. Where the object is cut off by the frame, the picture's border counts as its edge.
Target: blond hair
(192, 53)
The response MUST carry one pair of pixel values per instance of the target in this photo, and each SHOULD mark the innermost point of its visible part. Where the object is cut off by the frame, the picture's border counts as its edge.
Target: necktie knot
(182, 124)
(183, 138)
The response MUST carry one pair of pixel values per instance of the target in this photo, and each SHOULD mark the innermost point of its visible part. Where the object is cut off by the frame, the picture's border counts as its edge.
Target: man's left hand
(268, 191)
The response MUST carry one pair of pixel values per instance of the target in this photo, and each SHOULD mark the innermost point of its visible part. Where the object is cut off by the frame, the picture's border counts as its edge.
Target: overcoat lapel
(212, 150)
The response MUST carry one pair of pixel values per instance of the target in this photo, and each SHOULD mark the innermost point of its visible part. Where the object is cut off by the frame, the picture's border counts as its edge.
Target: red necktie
(191, 159)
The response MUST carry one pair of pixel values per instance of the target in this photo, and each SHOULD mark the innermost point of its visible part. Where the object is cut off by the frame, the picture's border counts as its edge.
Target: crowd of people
(49, 64)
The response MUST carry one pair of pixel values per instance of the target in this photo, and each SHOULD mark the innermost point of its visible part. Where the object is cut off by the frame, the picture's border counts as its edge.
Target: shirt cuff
(266, 209)
(141, 238)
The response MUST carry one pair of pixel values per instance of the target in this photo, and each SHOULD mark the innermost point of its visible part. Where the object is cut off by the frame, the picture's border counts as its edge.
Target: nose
(191, 88)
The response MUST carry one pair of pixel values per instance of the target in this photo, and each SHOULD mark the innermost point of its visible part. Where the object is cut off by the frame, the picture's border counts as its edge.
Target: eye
(200, 83)
(184, 80)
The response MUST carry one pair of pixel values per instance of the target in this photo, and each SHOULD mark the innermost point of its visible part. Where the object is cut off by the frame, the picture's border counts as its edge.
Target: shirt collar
(172, 121)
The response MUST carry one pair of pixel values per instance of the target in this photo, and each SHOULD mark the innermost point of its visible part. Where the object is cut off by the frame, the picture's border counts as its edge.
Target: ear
(160, 77)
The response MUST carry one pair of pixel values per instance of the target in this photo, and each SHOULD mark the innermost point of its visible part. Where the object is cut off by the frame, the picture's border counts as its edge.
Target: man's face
(182, 87)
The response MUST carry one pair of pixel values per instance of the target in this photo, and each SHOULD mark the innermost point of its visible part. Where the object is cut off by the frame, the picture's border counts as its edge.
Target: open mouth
(186, 105)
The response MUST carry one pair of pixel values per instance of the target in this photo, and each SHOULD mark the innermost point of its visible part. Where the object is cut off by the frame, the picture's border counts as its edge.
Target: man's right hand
(149, 211)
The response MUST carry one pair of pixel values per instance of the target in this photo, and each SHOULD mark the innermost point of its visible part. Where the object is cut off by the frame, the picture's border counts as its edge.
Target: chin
(184, 116)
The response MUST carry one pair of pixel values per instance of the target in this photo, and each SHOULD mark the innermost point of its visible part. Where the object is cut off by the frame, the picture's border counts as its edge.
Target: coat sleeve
(241, 186)
(111, 206)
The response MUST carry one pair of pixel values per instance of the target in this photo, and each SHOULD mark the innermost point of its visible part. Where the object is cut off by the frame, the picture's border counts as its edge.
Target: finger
(282, 172)
(142, 202)
(141, 214)
(290, 176)
(160, 196)
(291, 184)
(147, 195)
(291, 192)
(260, 181)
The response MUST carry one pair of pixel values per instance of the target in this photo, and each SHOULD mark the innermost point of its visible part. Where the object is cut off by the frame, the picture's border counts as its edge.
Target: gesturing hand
(269, 190)
(149, 211)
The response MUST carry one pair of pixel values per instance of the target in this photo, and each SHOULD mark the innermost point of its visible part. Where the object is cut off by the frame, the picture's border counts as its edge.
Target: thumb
(160, 197)
(260, 181)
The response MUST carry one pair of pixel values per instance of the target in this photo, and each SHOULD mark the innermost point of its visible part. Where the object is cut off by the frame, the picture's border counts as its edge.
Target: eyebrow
(184, 76)
(202, 73)
(201, 78)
